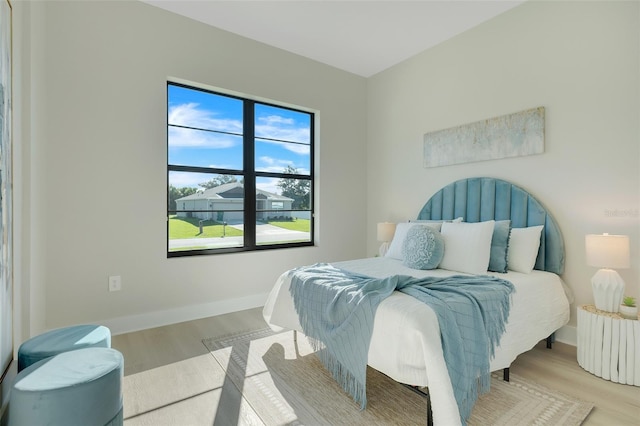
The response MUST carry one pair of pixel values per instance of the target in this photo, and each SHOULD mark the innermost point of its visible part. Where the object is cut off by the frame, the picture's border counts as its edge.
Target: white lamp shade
(607, 251)
(386, 231)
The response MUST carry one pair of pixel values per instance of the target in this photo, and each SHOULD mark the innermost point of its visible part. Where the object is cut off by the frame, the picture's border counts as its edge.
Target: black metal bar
(505, 374)
(207, 170)
(420, 392)
(249, 175)
(262, 138)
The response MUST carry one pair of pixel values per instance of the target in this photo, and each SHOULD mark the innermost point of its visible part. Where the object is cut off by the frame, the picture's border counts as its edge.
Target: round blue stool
(80, 387)
(61, 340)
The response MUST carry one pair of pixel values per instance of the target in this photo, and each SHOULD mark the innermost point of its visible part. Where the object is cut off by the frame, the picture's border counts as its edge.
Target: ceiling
(361, 37)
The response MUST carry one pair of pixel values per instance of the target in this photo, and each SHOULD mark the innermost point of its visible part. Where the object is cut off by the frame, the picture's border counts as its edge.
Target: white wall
(92, 138)
(580, 60)
(93, 163)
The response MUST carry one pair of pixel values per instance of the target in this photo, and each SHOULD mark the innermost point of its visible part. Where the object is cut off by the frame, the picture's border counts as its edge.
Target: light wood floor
(164, 386)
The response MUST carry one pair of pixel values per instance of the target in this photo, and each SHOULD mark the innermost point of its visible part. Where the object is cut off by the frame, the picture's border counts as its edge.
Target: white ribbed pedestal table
(609, 345)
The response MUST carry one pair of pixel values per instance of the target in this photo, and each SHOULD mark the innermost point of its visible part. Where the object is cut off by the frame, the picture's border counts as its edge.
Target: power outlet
(115, 283)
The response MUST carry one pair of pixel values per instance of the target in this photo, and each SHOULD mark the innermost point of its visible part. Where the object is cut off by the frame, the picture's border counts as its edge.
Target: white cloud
(179, 137)
(297, 149)
(269, 127)
(274, 165)
(192, 116)
(282, 128)
(269, 185)
(292, 147)
(270, 119)
(267, 160)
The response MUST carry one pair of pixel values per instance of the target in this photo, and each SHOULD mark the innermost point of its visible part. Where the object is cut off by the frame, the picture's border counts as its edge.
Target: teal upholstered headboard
(480, 199)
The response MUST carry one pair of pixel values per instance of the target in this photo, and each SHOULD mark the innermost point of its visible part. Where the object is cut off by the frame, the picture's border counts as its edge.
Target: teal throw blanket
(472, 312)
(336, 309)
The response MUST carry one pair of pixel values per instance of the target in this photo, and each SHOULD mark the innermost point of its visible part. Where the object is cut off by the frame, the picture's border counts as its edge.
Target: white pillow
(467, 246)
(458, 219)
(435, 224)
(523, 248)
(395, 248)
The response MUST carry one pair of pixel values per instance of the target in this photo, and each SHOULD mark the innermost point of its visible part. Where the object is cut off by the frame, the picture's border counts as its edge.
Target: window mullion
(249, 175)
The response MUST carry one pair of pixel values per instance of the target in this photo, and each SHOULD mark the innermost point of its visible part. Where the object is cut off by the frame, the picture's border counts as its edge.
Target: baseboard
(568, 334)
(128, 324)
(148, 320)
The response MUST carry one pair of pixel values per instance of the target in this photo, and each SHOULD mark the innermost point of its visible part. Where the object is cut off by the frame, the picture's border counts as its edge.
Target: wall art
(512, 135)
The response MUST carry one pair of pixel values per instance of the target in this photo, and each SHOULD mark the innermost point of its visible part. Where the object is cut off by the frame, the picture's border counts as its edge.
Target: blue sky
(203, 110)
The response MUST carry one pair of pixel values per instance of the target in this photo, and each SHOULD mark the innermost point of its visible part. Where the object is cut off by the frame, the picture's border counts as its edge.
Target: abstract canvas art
(512, 135)
(6, 243)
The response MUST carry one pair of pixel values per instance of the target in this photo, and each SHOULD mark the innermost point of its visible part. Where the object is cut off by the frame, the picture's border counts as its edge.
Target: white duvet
(405, 344)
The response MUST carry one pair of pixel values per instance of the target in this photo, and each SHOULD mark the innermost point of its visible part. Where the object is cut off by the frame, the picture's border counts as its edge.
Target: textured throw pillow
(499, 246)
(395, 248)
(523, 248)
(467, 246)
(435, 224)
(422, 248)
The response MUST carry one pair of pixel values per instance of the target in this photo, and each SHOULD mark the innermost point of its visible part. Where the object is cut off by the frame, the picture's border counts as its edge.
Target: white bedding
(406, 334)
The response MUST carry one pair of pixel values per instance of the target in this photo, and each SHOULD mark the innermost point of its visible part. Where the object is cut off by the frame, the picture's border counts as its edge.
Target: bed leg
(505, 374)
(550, 340)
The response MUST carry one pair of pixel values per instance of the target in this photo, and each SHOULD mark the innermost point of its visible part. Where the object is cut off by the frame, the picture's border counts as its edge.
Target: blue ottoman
(81, 387)
(61, 340)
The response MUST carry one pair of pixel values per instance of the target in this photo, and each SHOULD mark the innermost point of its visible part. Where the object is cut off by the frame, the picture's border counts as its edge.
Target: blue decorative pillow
(423, 248)
(500, 246)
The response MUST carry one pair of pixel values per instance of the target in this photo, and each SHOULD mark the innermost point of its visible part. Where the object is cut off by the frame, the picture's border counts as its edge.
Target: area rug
(285, 384)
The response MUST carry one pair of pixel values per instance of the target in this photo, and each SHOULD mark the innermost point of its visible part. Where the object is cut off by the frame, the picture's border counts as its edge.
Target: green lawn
(303, 225)
(188, 227)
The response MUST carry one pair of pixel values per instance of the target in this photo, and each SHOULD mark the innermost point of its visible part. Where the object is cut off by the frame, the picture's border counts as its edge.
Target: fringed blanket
(472, 312)
(336, 309)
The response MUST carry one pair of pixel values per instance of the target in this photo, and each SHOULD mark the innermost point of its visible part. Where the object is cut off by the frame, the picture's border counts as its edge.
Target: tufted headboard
(483, 198)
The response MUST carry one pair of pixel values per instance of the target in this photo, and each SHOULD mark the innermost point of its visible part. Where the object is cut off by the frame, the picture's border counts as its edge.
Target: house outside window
(239, 173)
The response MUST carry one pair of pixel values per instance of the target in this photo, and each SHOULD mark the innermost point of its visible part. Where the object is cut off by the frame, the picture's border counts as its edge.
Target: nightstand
(609, 345)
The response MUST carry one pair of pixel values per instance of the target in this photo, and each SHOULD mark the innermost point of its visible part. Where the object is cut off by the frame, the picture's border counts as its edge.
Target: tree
(219, 180)
(297, 189)
(175, 193)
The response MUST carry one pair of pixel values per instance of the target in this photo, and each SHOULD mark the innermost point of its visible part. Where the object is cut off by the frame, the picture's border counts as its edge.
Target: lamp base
(384, 248)
(608, 289)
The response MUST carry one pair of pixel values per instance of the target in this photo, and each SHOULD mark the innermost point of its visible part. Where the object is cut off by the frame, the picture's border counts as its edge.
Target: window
(239, 173)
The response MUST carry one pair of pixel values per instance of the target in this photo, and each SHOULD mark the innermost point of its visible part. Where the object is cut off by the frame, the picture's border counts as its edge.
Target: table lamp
(385, 235)
(607, 252)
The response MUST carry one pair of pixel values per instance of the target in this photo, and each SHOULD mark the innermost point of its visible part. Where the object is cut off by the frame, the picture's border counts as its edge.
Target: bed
(405, 343)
